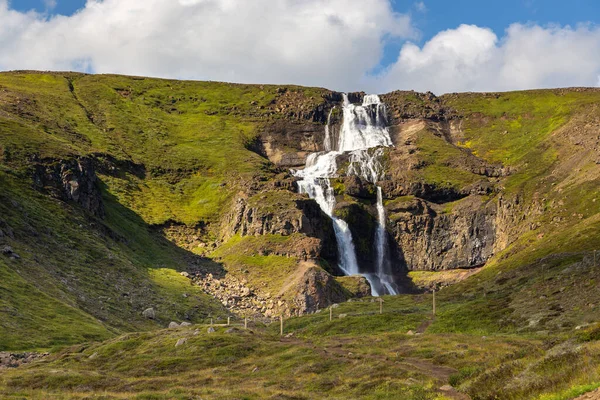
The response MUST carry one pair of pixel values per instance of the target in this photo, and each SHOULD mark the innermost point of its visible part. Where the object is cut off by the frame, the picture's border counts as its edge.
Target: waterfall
(363, 135)
(319, 168)
(327, 141)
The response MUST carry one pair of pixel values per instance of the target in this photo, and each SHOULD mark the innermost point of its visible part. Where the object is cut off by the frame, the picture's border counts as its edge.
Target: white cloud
(471, 58)
(314, 42)
(331, 43)
(420, 6)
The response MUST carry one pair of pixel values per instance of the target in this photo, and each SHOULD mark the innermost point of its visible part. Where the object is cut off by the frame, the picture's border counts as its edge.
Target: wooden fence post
(211, 322)
(330, 313)
(281, 325)
(380, 305)
(433, 301)
(228, 320)
(245, 322)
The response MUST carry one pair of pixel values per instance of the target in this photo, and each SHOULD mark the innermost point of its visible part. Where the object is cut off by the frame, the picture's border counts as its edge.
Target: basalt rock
(71, 180)
(432, 238)
(288, 143)
(403, 105)
(316, 289)
(281, 212)
(357, 187)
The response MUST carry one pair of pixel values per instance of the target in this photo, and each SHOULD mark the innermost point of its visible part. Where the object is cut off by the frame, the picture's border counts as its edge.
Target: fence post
(211, 322)
(433, 301)
(228, 320)
(380, 305)
(330, 313)
(245, 322)
(281, 325)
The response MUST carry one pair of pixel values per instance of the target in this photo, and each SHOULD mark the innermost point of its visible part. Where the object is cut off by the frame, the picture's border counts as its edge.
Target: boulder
(185, 324)
(173, 325)
(149, 313)
(210, 329)
(181, 342)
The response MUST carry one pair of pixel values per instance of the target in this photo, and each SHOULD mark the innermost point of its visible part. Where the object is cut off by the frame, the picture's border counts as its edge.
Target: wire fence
(363, 307)
(336, 311)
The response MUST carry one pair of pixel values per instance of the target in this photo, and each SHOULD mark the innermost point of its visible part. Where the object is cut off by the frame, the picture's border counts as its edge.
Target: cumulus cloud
(331, 43)
(471, 58)
(313, 42)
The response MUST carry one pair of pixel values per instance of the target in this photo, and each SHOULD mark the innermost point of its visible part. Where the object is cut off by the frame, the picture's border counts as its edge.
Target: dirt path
(595, 395)
(424, 325)
(441, 374)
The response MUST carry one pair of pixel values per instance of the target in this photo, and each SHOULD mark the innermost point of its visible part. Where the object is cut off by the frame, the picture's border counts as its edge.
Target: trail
(342, 349)
(595, 395)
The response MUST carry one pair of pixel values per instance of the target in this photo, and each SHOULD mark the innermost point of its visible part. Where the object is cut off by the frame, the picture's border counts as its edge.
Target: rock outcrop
(432, 238)
(308, 290)
(316, 289)
(71, 180)
(14, 360)
(281, 212)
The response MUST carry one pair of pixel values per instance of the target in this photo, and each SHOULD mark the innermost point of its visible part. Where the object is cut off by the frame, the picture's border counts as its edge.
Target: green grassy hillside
(396, 355)
(168, 153)
(172, 157)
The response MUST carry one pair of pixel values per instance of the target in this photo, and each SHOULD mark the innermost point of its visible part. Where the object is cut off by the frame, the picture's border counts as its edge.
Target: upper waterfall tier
(364, 126)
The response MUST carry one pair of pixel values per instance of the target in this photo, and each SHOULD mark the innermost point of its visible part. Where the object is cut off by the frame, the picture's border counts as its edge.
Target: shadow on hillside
(150, 245)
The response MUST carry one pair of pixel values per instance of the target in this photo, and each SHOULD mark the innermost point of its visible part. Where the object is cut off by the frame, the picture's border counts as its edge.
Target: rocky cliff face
(436, 222)
(282, 212)
(71, 180)
(432, 238)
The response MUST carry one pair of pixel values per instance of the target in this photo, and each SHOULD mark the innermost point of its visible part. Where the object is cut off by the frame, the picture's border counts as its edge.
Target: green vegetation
(31, 319)
(269, 271)
(444, 163)
(72, 283)
(516, 128)
(177, 154)
(362, 355)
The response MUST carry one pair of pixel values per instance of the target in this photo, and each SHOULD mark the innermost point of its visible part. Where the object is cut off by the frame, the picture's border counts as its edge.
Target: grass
(525, 327)
(194, 132)
(31, 319)
(364, 355)
(515, 128)
(443, 163)
(81, 276)
(180, 152)
(240, 255)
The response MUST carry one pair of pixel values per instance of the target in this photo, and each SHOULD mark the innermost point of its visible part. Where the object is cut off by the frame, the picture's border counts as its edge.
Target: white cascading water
(363, 135)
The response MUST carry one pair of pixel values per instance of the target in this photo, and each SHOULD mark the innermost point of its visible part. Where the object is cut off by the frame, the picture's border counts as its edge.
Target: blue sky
(438, 15)
(438, 45)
